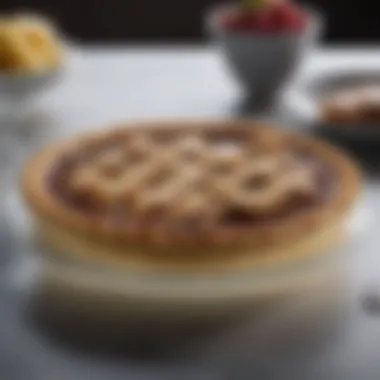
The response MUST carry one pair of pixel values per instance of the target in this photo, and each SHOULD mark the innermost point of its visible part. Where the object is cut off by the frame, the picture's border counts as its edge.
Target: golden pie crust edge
(67, 231)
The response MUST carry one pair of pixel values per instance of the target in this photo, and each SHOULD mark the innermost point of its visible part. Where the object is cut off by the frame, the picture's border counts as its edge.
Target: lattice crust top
(188, 175)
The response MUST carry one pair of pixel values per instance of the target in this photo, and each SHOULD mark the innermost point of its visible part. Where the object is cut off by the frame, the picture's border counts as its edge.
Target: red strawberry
(240, 21)
(289, 17)
(296, 22)
(279, 15)
(264, 22)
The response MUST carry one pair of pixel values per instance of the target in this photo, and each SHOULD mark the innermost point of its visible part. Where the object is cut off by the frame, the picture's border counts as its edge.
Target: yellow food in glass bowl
(29, 44)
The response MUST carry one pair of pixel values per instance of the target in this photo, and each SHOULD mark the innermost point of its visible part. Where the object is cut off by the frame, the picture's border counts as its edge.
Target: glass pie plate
(73, 285)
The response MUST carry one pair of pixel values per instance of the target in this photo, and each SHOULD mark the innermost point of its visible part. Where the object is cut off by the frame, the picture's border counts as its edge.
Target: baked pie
(360, 105)
(213, 195)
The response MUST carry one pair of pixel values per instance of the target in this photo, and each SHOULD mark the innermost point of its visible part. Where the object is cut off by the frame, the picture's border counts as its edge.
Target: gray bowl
(263, 63)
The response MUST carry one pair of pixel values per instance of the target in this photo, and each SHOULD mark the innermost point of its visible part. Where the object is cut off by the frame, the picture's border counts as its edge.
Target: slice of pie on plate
(191, 195)
(354, 106)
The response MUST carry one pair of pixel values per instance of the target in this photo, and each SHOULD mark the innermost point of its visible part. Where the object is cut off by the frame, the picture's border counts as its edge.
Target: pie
(211, 195)
(360, 105)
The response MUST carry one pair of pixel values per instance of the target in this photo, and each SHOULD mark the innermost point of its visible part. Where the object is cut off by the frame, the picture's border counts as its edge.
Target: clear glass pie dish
(78, 286)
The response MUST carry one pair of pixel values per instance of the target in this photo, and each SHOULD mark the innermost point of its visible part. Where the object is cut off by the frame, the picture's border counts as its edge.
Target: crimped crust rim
(43, 204)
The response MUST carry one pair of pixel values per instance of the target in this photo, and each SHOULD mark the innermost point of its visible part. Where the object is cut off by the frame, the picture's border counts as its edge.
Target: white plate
(304, 101)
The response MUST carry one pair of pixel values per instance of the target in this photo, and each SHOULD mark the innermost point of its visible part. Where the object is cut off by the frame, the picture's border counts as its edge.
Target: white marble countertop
(106, 85)
(102, 85)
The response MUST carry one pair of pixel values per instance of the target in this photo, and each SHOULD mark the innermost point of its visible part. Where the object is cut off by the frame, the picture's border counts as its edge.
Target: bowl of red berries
(264, 42)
